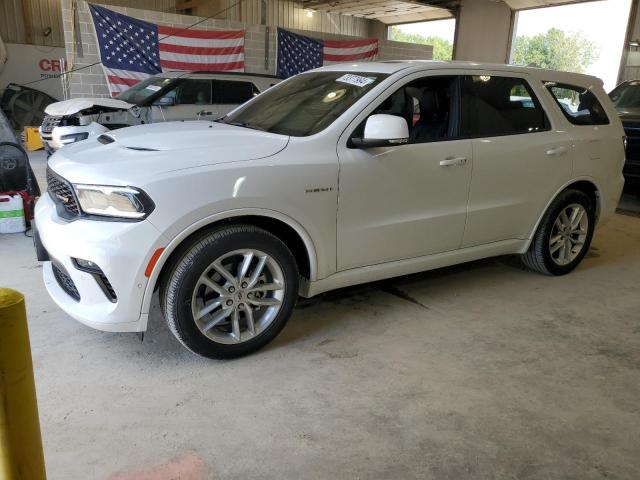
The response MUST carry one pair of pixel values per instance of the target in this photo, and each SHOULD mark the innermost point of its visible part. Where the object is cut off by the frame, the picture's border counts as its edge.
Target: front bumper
(122, 250)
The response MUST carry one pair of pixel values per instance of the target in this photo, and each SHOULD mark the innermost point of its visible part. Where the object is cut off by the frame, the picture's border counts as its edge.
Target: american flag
(298, 53)
(132, 49)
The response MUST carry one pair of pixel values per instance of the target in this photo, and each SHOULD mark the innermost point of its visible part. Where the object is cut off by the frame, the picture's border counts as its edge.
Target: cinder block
(80, 89)
(100, 89)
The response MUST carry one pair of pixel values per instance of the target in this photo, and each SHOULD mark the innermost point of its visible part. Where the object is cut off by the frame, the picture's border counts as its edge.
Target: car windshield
(144, 90)
(626, 95)
(306, 104)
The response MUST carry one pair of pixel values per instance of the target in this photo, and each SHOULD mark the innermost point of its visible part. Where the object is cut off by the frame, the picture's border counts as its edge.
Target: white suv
(164, 97)
(342, 175)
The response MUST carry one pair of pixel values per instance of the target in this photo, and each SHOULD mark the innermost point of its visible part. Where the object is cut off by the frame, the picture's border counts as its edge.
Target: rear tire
(230, 292)
(564, 235)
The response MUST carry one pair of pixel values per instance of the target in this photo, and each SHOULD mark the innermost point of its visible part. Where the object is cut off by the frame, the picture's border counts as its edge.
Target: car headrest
(427, 98)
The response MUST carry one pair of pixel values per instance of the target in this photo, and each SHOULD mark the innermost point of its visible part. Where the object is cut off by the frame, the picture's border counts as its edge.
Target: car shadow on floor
(312, 316)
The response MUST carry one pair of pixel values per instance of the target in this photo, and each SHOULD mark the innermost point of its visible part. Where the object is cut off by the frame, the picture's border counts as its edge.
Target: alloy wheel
(238, 296)
(569, 234)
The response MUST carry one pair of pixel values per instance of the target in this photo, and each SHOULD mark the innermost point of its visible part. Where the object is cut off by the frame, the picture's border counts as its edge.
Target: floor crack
(395, 291)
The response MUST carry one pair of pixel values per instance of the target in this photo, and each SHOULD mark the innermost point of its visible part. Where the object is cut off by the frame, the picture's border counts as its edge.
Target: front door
(409, 200)
(192, 99)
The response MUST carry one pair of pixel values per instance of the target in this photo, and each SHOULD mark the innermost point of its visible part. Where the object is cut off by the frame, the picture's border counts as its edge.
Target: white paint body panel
(375, 213)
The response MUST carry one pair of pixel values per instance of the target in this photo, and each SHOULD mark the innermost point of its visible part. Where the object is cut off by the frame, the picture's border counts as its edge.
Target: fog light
(74, 137)
(99, 276)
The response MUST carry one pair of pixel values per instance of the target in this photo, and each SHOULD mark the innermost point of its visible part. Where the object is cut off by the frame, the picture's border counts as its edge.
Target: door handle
(453, 161)
(557, 151)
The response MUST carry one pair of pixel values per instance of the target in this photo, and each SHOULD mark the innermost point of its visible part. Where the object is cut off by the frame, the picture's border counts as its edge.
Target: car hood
(75, 105)
(126, 155)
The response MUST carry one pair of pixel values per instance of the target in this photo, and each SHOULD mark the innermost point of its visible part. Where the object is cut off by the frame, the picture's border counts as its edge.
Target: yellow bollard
(21, 456)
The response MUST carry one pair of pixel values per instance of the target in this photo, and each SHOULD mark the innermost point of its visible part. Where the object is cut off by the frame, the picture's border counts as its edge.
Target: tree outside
(557, 50)
(442, 48)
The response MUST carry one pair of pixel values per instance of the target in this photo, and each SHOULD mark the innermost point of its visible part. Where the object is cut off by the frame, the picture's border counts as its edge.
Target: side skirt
(397, 268)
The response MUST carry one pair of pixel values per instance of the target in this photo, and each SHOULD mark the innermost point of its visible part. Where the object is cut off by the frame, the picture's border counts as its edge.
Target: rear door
(519, 159)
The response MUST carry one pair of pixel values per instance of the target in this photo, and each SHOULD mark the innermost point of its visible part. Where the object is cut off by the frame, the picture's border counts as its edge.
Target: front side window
(428, 105)
(626, 95)
(306, 104)
(494, 106)
(226, 92)
(142, 92)
(578, 104)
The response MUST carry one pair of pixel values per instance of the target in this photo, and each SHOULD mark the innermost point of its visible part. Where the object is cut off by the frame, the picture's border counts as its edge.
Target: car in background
(626, 100)
(324, 181)
(164, 97)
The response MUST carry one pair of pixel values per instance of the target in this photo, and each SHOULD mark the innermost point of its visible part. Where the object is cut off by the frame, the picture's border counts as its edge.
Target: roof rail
(212, 72)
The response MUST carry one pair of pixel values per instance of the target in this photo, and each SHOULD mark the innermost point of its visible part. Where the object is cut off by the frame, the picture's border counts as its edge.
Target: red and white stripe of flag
(121, 80)
(335, 51)
(210, 50)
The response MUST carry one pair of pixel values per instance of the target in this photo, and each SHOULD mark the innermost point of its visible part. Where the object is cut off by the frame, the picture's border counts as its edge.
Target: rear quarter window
(578, 104)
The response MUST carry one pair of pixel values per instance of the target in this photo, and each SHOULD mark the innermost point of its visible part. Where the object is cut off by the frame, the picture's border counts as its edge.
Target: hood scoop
(106, 139)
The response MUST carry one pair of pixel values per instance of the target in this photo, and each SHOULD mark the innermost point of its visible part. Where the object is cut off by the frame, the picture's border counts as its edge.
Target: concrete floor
(477, 371)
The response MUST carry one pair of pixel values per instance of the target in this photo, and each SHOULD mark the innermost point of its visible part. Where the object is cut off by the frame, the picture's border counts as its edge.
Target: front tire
(564, 235)
(231, 292)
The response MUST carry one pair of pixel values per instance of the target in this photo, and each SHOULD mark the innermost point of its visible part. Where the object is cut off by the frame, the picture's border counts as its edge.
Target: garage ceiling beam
(406, 11)
(380, 9)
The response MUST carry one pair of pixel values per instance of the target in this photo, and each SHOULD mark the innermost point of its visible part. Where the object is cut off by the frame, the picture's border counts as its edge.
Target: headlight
(120, 202)
(74, 137)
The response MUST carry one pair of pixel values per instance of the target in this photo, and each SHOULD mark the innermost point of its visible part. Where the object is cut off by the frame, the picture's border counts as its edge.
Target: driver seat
(434, 115)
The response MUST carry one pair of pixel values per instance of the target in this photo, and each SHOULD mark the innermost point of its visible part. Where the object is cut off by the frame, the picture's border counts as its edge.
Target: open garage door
(584, 37)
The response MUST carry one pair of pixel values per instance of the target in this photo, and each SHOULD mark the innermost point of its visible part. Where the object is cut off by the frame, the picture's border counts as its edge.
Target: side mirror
(165, 102)
(382, 130)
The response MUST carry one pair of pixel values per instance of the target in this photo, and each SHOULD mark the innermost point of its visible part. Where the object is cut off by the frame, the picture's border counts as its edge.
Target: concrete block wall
(91, 81)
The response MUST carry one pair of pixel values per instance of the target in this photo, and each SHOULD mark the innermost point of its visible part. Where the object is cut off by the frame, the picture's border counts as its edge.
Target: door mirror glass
(165, 102)
(382, 130)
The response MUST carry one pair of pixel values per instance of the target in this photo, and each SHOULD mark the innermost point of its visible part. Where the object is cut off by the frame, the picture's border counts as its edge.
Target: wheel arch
(294, 235)
(586, 185)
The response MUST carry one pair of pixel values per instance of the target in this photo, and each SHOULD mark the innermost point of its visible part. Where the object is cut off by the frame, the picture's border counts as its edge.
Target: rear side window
(493, 106)
(579, 105)
(227, 92)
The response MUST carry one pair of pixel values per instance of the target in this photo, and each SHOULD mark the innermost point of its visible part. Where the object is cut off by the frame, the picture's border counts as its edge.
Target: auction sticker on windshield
(357, 80)
(153, 88)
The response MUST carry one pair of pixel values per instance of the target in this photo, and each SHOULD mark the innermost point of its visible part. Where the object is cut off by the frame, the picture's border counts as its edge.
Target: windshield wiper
(246, 125)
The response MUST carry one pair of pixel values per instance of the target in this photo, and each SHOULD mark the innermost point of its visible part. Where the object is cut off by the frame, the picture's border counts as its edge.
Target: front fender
(209, 220)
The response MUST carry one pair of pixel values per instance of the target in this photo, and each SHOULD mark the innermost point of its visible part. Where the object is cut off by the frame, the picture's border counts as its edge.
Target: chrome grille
(61, 193)
(65, 281)
(50, 122)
